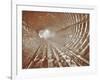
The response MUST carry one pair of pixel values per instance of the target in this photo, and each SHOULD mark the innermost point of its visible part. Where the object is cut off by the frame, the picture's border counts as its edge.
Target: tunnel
(55, 39)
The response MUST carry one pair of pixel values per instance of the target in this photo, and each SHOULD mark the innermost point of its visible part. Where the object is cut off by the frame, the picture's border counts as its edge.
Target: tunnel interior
(55, 39)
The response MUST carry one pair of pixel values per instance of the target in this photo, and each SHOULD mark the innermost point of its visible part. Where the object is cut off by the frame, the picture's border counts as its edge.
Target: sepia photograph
(55, 39)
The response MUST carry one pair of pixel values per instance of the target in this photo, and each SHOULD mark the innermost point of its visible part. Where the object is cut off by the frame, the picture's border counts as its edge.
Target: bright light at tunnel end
(46, 33)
